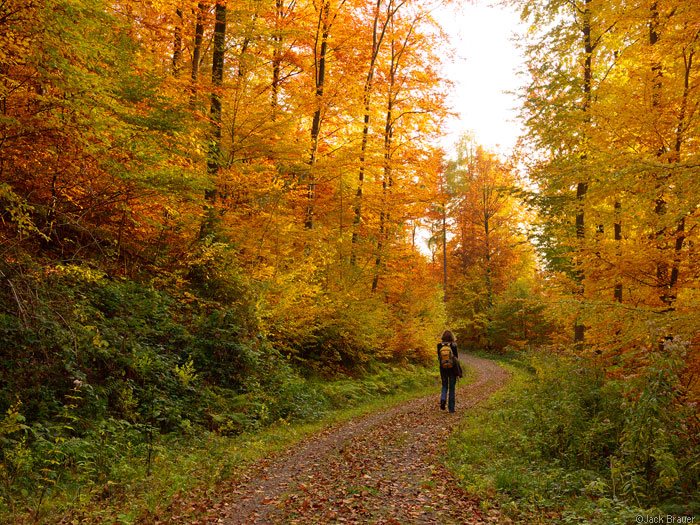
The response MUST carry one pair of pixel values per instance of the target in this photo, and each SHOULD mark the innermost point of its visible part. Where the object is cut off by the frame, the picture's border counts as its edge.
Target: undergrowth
(115, 474)
(563, 444)
(116, 393)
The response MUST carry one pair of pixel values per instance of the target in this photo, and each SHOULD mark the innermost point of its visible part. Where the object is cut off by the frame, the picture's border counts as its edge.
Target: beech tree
(487, 252)
(629, 270)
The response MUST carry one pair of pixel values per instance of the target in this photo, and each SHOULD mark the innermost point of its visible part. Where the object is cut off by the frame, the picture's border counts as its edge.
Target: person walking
(450, 369)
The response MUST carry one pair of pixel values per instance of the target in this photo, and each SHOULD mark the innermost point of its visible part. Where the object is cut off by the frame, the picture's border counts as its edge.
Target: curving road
(382, 468)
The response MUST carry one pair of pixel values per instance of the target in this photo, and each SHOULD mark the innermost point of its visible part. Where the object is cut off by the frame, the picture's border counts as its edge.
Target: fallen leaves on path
(383, 468)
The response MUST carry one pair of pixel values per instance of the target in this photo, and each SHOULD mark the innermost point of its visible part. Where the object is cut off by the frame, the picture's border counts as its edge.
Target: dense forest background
(205, 207)
(214, 185)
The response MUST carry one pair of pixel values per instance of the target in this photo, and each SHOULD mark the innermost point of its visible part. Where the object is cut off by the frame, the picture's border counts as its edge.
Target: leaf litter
(385, 467)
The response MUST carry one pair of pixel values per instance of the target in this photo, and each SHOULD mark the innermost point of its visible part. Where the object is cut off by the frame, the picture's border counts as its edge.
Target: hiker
(450, 369)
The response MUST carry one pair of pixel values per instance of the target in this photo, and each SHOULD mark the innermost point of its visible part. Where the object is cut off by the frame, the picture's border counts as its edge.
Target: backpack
(447, 357)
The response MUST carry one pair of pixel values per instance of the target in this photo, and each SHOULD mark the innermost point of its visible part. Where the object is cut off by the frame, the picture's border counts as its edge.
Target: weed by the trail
(110, 384)
(105, 473)
(555, 445)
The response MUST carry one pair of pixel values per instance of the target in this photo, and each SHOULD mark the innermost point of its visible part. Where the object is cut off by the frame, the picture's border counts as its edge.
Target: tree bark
(215, 113)
(582, 187)
(276, 57)
(238, 93)
(444, 251)
(617, 293)
(377, 38)
(320, 78)
(487, 241)
(177, 43)
(662, 277)
(196, 54)
(680, 129)
(486, 202)
(387, 179)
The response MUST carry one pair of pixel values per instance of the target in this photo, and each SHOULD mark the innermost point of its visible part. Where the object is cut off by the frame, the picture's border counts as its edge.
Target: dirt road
(383, 468)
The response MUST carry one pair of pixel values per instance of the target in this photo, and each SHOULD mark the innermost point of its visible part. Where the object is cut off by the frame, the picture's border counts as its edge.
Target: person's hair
(448, 336)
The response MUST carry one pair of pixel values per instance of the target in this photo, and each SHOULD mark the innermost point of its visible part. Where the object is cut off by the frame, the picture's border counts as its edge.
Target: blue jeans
(449, 381)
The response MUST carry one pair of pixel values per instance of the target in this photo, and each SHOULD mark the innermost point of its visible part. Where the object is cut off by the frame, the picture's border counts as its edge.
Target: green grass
(495, 458)
(187, 467)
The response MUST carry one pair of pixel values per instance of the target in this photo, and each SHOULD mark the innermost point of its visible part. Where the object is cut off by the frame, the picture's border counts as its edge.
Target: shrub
(565, 438)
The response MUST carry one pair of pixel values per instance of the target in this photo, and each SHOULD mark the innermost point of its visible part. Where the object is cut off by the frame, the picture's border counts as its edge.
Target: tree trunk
(582, 187)
(277, 57)
(377, 37)
(238, 95)
(488, 212)
(320, 78)
(358, 196)
(617, 294)
(662, 277)
(196, 54)
(680, 130)
(487, 243)
(387, 179)
(177, 43)
(217, 80)
(444, 251)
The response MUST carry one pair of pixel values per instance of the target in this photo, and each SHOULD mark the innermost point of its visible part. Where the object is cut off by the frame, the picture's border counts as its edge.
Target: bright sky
(484, 67)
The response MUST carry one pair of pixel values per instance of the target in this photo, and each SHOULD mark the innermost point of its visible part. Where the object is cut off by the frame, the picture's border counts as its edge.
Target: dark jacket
(456, 370)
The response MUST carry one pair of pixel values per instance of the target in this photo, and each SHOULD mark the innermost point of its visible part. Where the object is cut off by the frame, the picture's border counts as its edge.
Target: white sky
(484, 67)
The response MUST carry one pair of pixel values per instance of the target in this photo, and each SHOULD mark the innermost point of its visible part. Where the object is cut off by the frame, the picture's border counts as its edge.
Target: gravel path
(382, 468)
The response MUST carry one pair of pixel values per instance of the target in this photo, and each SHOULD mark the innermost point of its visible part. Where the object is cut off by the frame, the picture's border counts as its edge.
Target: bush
(100, 369)
(658, 454)
(564, 439)
(518, 318)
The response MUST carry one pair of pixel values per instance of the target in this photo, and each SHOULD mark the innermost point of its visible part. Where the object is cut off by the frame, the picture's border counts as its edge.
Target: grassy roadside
(498, 456)
(186, 468)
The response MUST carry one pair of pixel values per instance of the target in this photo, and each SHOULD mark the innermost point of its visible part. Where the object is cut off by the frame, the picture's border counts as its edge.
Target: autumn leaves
(302, 134)
(612, 111)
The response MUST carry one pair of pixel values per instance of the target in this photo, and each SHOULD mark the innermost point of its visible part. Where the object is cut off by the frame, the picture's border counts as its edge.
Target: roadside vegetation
(165, 457)
(561, 444)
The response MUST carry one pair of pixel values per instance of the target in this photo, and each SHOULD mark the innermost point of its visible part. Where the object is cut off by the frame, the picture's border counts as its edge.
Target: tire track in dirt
(382, 468)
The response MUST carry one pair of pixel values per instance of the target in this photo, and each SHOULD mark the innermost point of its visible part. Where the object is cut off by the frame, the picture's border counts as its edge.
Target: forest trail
(382, 468)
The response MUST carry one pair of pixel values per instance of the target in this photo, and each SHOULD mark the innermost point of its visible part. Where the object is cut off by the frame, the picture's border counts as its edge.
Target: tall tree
(215, 115)
(380, 23)
(320, 54)
(402, 42)
(486, 249)
(196, 53)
